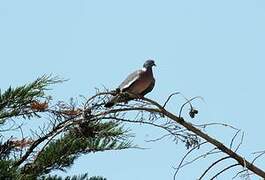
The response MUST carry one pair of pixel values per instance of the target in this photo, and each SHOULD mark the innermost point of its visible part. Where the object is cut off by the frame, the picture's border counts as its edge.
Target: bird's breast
(143, 83)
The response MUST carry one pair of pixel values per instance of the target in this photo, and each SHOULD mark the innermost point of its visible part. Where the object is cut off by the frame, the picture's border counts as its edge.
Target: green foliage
(16, 101)
(5, 149)
(54, 148)
(75, 177)
(62, 152)
(7, 171)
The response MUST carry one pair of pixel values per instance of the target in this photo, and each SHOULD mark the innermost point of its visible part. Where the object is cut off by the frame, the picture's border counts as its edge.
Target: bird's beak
(154, 64)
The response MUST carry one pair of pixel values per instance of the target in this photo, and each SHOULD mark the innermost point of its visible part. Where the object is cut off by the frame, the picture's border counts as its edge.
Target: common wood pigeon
(138, 83)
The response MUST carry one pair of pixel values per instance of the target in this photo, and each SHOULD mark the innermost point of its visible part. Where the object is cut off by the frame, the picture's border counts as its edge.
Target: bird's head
(149, 64)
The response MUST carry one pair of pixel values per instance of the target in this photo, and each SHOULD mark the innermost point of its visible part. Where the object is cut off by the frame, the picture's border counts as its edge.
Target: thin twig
(232, 141)
(215, 124)
(225, 169)
(202, 156)
(169, 97)
(182, 160)
(240, 172)
(240, 143)
(260, 154)
(213, 164)
(188, 101)
(158, 139)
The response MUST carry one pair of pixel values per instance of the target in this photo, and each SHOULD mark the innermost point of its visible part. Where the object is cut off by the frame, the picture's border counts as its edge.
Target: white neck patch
(144, 69)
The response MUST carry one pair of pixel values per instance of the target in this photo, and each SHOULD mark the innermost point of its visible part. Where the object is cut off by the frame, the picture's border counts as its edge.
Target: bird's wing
(132, 78)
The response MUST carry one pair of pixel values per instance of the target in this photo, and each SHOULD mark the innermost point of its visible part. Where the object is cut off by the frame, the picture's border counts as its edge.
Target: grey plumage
(129, 80)
(138, 83)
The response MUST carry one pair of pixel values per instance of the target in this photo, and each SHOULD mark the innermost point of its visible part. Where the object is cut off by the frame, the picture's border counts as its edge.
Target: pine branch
(17, 101)
(7, 171)
(5, 149)
(62, 152)
(74, 131)
(75, 177)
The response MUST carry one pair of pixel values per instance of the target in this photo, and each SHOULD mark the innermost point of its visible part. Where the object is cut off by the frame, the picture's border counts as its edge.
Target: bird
(137, 84)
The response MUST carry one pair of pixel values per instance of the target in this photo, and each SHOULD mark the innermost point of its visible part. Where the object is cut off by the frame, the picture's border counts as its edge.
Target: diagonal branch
(241, 161)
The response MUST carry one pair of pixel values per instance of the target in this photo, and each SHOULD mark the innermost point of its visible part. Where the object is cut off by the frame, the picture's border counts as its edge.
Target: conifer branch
(74, 130)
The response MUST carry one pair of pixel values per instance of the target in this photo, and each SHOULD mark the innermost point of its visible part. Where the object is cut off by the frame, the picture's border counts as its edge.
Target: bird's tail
(112, 101)
(118, 99)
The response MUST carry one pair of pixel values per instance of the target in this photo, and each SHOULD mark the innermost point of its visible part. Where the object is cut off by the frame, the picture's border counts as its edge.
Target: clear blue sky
(214, 49)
